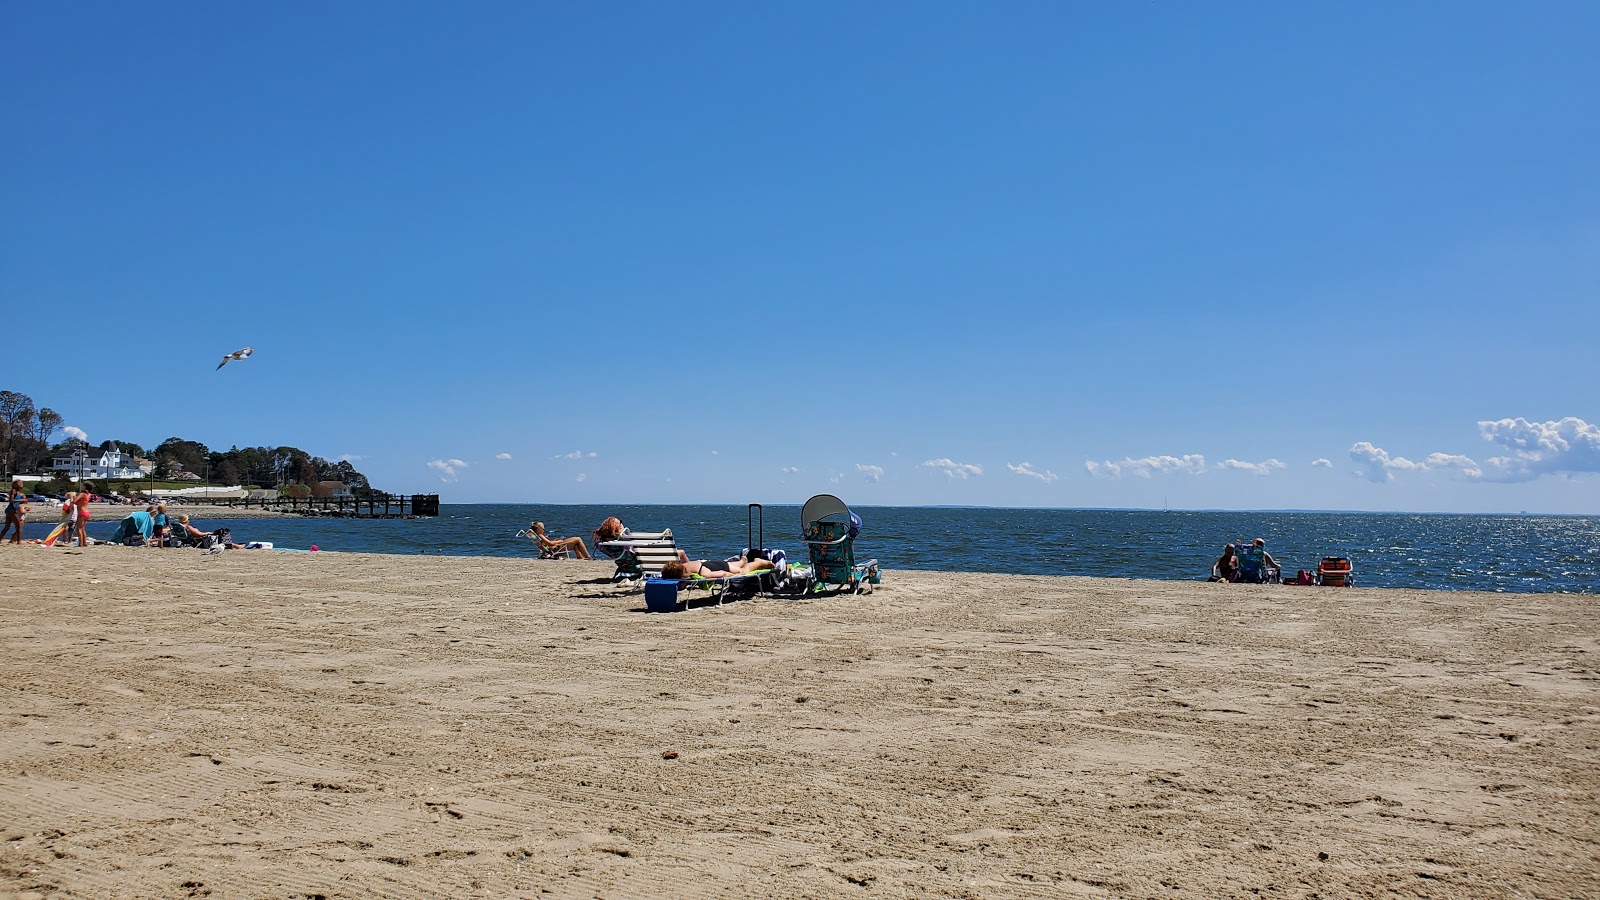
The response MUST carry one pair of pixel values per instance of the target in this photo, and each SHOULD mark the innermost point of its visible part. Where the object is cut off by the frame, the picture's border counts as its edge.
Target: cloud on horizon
(73, 431)
(1026, 470)
(1322, 462)
(790, 470)
(870, 474)
(1561, 447)
(1260, 469)
(502, 456)
(576, 454)
(1144, 467)
(1567, 446)
(953, 469)
(448, 469)
(351, 457)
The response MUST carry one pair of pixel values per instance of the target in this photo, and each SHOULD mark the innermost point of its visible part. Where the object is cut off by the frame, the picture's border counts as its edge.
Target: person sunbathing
(679, 569)
(574, 544)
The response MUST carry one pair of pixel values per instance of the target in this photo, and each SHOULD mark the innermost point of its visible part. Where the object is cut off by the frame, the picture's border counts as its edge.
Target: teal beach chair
(828, 529)
(1253, 565)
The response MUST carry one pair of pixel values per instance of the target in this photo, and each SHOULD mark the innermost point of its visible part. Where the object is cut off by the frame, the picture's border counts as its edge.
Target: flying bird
(237, 354)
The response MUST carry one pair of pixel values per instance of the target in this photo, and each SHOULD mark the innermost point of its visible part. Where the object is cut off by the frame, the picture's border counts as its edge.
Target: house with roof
(113, 463)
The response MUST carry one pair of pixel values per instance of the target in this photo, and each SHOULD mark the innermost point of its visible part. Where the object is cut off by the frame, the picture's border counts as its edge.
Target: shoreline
(343, 722)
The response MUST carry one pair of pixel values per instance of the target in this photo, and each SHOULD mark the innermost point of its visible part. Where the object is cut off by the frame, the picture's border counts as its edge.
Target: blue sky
(1035, 254)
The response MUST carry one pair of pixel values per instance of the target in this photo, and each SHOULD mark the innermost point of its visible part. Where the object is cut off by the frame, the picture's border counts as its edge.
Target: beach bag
(1303, 577)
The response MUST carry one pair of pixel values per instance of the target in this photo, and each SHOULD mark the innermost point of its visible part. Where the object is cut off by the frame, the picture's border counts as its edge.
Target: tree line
(26, 432)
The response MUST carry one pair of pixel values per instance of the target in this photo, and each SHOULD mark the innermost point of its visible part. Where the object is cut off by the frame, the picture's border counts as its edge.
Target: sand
(295, 725)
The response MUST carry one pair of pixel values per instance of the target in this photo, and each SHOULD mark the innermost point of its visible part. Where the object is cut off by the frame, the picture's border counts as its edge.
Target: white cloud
(1463, 464)
(716, 453)
(1563, 447)
(1559, 447)
(790, 470)
(576, 454)
(1192, 463)
(447, 468)
(72, 431)
(953, 469)
(1027, 469)
(502, 456)
(872, 474)
(583, 477)
(1378, 465)
(351, 457)
(1260, 468)
(1322, 463)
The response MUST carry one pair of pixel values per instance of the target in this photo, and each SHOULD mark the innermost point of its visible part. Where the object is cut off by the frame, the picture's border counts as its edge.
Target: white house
(111, 464)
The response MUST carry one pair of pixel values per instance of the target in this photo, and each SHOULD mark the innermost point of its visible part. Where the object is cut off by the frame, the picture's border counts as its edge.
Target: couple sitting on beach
(1228, 568)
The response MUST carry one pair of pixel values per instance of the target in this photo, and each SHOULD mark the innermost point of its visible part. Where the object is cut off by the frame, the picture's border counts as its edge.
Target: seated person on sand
(609, 530)
(1227, 567)
(680, 569)
(187, 534)
(574, 544)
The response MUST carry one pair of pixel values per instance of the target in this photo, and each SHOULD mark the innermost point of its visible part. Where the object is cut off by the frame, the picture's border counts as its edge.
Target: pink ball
(313, 548)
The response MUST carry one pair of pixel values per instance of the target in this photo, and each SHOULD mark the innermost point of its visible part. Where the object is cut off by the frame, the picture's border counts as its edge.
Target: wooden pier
(385, 506)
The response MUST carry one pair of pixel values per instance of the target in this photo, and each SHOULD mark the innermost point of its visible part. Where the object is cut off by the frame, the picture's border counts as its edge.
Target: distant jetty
(387, 506)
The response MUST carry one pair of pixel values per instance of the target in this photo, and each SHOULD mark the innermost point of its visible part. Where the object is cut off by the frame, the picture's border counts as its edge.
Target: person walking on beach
(555, 545)
(84, 496)
(16, 511)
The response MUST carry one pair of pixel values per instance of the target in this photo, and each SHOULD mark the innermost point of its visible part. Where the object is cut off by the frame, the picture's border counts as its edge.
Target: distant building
(111, 464)
(324, 490)
(186, 475)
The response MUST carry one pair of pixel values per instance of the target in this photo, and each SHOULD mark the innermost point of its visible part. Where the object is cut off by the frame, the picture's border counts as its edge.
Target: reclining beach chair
(828, 529)
(1253, 566)
(639, 554)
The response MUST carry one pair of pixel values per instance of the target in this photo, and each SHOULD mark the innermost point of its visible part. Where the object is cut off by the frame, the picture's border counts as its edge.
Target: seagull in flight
(237, 354)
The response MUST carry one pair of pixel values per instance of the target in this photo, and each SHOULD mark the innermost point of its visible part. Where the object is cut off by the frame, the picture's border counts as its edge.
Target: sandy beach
(341, 725)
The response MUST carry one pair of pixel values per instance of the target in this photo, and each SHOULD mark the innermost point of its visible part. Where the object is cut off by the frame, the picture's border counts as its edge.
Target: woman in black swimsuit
(681, 569)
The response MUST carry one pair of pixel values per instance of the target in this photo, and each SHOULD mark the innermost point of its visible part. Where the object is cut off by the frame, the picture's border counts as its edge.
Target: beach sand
(287, 724)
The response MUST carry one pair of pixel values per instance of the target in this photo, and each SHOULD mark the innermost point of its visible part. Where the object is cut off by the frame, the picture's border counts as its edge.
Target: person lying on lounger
(679, 569)
(574, 544)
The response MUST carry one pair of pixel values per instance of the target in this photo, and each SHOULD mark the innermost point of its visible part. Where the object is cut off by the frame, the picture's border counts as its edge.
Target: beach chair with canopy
(828, 529)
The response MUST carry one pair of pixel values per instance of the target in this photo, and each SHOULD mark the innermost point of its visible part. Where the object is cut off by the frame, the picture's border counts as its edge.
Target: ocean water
(1518, 554)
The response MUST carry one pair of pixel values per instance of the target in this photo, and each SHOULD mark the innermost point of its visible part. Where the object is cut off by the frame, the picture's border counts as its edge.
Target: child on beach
(69, 519)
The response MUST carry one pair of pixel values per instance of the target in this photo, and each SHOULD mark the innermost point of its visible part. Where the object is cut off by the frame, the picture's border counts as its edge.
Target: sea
(1509, 553)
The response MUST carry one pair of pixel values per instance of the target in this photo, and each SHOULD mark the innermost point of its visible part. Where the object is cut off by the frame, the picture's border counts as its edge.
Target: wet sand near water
(291, 724)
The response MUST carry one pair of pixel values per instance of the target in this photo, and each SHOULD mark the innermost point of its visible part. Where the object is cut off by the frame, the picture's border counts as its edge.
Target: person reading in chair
(680, 569)
(557, 545)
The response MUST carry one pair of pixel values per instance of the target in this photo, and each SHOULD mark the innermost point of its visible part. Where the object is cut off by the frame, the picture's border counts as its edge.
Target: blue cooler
(661, 595)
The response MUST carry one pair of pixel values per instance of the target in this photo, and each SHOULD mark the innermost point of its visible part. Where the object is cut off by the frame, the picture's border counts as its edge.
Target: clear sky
(1025, 254)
